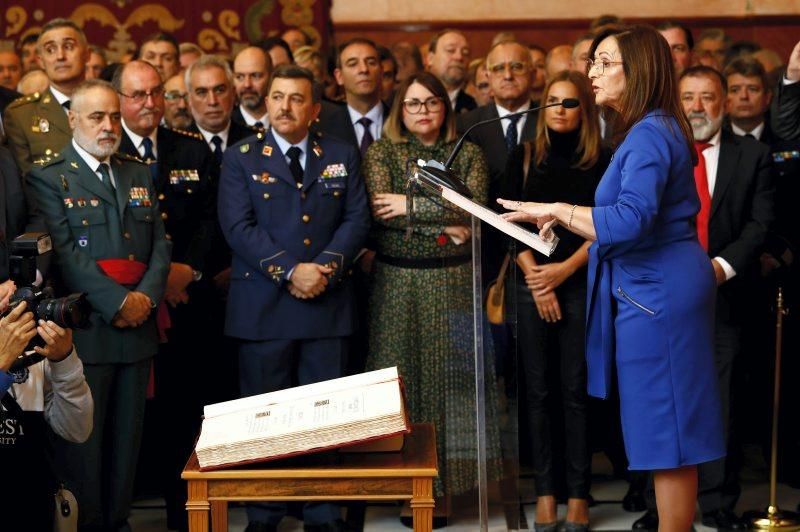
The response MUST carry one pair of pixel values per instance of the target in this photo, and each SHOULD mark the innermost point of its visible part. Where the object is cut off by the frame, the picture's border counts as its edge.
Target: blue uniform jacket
(272, 225)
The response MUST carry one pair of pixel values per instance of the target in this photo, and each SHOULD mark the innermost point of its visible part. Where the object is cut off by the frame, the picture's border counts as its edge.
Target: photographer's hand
(16, 330)
(6, 291)
(58, 340)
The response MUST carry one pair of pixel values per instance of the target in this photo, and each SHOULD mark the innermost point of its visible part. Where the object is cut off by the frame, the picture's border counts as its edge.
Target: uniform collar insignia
(73, 164)
(267, 151)
(317, 149)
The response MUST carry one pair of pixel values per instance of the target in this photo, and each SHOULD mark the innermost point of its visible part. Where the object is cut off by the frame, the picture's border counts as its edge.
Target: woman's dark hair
(589, 137)
(395, 129)
(650, 81)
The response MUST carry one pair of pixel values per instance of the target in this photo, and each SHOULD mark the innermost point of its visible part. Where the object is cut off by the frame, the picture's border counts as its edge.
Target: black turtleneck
(556, 179)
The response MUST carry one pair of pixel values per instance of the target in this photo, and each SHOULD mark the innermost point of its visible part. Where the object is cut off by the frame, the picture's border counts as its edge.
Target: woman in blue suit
(651, 285)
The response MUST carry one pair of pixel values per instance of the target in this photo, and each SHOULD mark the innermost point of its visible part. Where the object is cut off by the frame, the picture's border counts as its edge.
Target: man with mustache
(448, 57)
(102, 212)
(181, 167)
(176, 104)
(251, 70)
(735, 188)
(36, 126)
(293, 208)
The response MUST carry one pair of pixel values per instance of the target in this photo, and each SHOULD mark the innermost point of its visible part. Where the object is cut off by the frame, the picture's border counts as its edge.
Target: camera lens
(70, 312)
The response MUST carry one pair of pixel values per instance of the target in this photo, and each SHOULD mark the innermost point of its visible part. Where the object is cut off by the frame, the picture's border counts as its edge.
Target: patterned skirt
(421, 321)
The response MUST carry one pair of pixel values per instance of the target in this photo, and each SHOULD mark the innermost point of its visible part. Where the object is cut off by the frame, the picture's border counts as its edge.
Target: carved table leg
(197, 505)
(422, 504)
(219, 516)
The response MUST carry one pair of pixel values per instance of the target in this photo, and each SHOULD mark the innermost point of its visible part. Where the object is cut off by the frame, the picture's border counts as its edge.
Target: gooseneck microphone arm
(569, 103)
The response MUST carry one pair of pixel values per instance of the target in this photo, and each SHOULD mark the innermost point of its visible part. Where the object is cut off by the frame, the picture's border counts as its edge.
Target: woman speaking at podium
(651, 285)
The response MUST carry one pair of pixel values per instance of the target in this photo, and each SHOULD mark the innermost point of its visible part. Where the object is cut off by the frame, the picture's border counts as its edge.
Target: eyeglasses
(175, 95)
(414, 106)
(141, 96)
(516, 68)
(601, 65)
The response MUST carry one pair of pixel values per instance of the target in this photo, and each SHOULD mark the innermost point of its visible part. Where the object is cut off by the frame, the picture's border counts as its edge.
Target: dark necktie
(511, 133)
(66, 105)
(701, 182)
(750, 136)
(259, 125)
(367, 139)
(150, 158)
(294, 163)
(104, 171)
(217, 142)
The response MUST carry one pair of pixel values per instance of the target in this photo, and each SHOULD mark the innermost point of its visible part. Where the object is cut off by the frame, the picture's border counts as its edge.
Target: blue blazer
(272, 225)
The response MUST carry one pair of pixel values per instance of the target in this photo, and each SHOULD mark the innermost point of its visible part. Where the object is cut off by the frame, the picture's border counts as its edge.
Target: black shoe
(258, 526)
(723, 519)
(634, 500)
(649, 521)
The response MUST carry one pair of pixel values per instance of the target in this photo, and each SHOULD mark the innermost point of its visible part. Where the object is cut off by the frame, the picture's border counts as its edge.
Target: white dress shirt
(284, 146)
(756, 131)
(250, 121)
(94, 164)
(711, 156)
(505, 122)
(222, 135)
(137, 140)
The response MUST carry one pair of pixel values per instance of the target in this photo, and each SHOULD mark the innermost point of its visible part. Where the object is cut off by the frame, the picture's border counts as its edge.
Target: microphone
(441, 173)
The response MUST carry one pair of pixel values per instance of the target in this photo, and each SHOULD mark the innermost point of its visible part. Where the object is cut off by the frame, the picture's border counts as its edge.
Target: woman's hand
(58, 341)
(16, 330)
(541, 214)
(547, 277)
(459, 234)
(547, 305)
(6, 291)
(388, 206)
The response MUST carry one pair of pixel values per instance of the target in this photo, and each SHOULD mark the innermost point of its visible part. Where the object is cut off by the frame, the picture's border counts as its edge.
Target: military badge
(139, 197)
(73, 164)
(317, 149)
(244, 148)
(44, 125)
(64, 183)
(182, 176)
(81, 202)
(94, 202)
(267, 151)
(266, 179)
(333, 171)
(783, 156)
(68, 203)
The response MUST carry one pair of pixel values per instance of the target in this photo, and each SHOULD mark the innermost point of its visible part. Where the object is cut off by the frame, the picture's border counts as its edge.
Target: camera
(70, 312)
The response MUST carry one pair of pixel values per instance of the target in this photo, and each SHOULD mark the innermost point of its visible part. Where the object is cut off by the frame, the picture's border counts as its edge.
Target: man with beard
(181, 166)
(448, 57)
(177, 114)
(36, 126)
(251, 70)
(103, 215)
(734, 184)
(294, 237)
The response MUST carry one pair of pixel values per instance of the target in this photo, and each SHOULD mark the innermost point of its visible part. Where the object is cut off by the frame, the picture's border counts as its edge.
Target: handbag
(496, 291)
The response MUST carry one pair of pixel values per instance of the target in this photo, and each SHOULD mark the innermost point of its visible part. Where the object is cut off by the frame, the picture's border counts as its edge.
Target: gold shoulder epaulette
(187, 133)
(48, 160)
(22, 100)
(127, 157)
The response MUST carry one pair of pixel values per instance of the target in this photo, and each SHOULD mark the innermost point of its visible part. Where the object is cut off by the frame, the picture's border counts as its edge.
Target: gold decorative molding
(16, 16)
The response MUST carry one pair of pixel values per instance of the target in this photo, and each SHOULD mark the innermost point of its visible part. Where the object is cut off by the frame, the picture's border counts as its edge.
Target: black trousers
(552, 358)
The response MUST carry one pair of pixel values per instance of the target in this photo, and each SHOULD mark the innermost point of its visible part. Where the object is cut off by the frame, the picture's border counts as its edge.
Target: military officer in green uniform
(109, 242)
(36, 126)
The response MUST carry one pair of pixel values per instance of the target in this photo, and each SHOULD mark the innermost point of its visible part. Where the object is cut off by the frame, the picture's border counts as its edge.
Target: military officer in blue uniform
(294, 210)
(109, 242)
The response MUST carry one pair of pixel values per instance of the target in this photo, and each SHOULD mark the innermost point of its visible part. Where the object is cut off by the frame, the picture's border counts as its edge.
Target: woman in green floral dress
(420, 311)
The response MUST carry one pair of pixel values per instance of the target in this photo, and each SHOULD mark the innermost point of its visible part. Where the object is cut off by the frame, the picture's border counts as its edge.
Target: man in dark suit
(183, 175)
(36, 126)
(359, 121)
(734, 183)
(251, 70)
(103, 215)
(294, 210)
(448, 57)
(209, 82)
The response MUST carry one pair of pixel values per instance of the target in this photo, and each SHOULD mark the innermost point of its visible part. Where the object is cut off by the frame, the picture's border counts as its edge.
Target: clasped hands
(135, 310)
(308, 280)
(541, 214)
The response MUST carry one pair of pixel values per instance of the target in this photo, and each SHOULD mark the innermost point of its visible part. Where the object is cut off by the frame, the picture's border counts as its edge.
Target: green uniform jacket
(87, 223)
(36, 128)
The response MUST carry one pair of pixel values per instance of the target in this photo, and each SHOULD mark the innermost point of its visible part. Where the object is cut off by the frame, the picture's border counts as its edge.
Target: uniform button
(266, 195)
(307, 241)
(127, 235)
(131, 257)
(148, 218)
(302, 195)
(48, 151)
(161, 197)
(299, 185)
(164, 216)
(247, 274)
(188, 190)
(168, 236)
(306, 218)
(85, 222)
(336, 193)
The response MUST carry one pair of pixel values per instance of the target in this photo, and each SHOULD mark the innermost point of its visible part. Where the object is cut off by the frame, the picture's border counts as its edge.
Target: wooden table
(369, 476)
